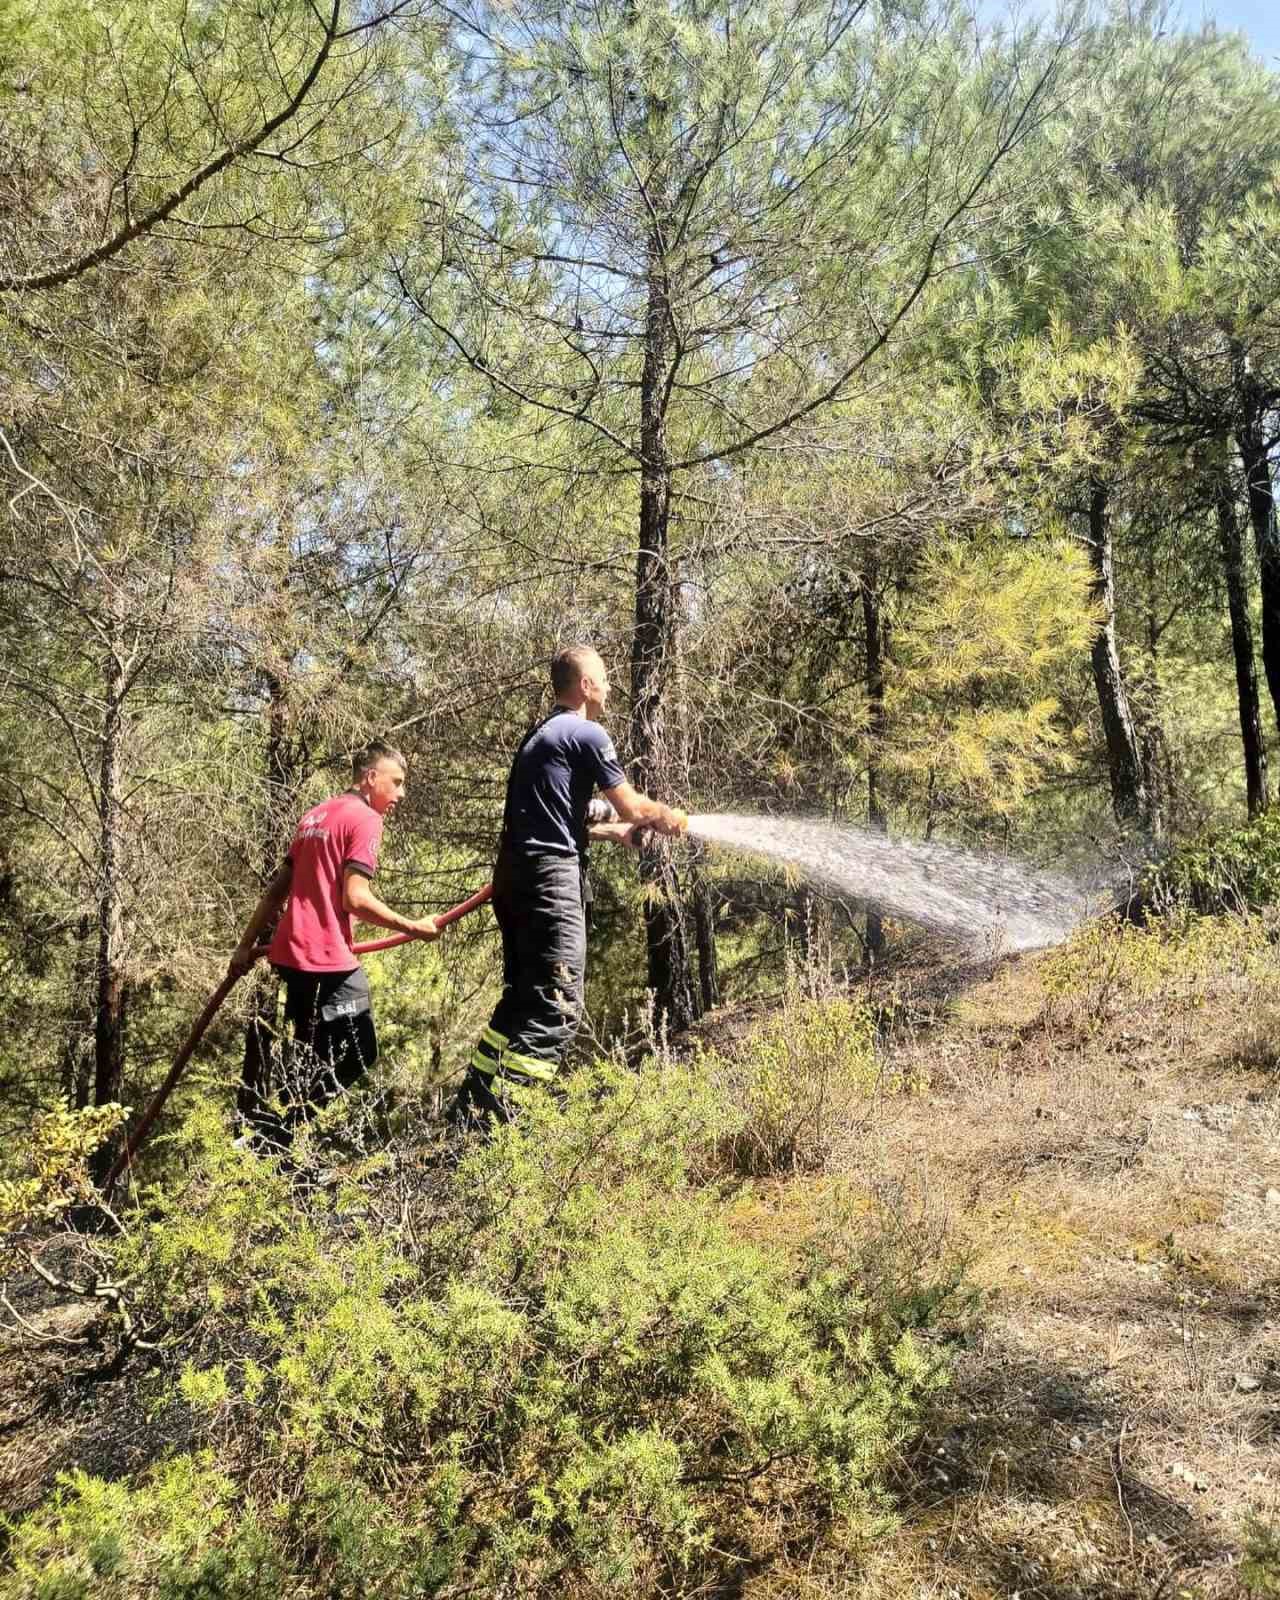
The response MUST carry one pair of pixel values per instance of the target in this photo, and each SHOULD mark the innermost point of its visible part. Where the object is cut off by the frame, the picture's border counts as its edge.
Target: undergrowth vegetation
(54, 1172)
(683, 1332)
(1260, 1569)
(1177, 960)
(1222, 869)
(799, 1082)
(552, 1363)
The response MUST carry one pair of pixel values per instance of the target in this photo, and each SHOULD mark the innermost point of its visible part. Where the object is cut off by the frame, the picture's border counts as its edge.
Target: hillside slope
(1097, 1130)
(1094, 1132)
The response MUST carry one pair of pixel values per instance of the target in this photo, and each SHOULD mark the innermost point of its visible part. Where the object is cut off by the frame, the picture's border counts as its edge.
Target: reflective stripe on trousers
(494, 1055)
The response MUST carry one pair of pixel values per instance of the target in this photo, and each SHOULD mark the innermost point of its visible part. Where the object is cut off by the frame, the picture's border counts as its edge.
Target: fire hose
(214, 1004)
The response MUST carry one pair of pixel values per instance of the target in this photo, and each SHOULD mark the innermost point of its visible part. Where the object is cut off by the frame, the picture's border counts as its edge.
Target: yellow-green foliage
(1223, 869)
(972, 696)
(1260, 1569)
(1056, 399)
(170, 1537)
(559, 1376)
(55, 1157)
(795, 1080)
(1178, 961)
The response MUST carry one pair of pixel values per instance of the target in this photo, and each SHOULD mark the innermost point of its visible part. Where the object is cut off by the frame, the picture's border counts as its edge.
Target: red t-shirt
(315, 933)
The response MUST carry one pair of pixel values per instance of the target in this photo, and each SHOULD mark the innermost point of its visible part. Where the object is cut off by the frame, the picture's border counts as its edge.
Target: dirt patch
(1117, 1419)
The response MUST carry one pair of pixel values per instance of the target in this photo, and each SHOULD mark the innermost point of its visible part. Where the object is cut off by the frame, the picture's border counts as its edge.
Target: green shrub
(173, 1535)
(552, 1365)
(1260, 1569)
(51, 1171)
(1107, 968)
(1223, 869)
(796, 1081)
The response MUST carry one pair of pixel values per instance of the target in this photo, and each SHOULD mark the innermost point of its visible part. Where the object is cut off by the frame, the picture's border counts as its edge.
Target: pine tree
(673, 230)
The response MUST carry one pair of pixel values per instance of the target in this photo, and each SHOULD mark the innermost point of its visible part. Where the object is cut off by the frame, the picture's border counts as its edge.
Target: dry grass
(1103, 1146)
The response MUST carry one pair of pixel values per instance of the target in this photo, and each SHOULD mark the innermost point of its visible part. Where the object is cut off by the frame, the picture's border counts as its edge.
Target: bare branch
(57, 277)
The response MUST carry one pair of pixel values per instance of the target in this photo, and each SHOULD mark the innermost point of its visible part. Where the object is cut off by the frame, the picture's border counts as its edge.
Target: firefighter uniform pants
(539, 902)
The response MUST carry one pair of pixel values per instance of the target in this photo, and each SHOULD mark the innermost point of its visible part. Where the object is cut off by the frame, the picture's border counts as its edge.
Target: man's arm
(265, 913)
(614, 832)
(602, 823)
(359, 899)
(632, 806)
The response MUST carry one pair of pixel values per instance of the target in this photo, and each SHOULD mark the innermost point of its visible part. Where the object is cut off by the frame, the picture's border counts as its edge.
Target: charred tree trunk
(877, 816)
(110, 997)
(670, 976)
(1255, 750)
(1251, 442)
(1129, 793)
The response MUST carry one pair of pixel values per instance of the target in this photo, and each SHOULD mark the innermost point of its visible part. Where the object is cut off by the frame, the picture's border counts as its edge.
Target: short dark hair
(369, 755)
(567, 665)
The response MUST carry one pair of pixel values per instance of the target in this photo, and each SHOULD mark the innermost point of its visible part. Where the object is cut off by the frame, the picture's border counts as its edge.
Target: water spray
(987, 901)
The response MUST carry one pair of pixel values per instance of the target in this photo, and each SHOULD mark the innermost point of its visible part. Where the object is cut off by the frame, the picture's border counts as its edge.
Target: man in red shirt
(324, 887)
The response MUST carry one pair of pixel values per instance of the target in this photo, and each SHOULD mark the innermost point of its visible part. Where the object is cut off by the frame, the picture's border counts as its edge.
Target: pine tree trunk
(877, 816)
(282, 783)
(670, 975)
(1255, 751)
(110, 996)
(1251, 443)
(1129, 797)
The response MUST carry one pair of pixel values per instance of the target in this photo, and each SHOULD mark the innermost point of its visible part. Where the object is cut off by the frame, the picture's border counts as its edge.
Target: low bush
(1107, 968)
(551, 1365)
(796, 1082)
(1260, 1568)
(48, 1173)
(1222, 869)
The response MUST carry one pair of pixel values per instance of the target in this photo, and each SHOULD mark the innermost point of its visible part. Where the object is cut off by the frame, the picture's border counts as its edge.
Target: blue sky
(1260, 19)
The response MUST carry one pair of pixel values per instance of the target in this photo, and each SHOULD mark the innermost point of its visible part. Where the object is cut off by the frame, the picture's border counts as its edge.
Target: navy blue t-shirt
(552, 782)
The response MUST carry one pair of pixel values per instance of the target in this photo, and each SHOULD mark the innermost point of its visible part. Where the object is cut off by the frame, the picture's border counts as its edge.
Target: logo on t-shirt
(607, 750)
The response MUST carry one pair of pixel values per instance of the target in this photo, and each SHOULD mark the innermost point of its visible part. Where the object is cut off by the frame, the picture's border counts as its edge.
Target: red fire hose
(134, 1142)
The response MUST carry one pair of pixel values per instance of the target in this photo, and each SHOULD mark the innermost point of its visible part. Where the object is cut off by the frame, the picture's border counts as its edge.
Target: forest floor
(1109, 1165)
(1111, 1168)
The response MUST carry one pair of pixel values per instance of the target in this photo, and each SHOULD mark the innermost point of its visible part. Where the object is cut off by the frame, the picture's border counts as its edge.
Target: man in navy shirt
(539, 883)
